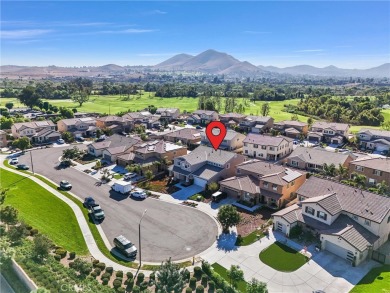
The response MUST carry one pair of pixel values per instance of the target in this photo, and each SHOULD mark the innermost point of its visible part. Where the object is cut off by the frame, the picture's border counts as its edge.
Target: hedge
(200, 289)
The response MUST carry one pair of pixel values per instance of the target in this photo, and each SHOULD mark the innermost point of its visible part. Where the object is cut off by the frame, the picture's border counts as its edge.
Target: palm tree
(329, 170)
(342, 172)
(382, 188)
(359, 180)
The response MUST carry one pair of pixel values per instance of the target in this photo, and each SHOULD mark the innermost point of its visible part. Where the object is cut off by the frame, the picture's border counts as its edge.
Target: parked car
(65, 185)
(80, 138)
(14, 161)
(138, 193)
(125, 246)
(60, 141)
(97, 212)
(128, 176)
(89, 202)
(22, 167)
(198, 127)
(218, 196)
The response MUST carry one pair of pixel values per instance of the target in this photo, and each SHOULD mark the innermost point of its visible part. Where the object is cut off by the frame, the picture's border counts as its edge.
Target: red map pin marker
(213, 128)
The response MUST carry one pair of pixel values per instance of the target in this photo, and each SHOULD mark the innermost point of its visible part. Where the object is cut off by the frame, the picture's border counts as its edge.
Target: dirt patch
(249, 222)
(159, 186)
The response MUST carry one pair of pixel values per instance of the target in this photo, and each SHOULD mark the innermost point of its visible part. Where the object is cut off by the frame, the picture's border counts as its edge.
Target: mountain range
(210, 61)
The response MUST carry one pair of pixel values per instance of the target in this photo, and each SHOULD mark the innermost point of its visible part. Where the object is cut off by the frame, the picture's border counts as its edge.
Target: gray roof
(332, 125)
(291, 123)
(378, 132)
(204, 153)
(291, 214)
(73, 121)
(245, 183)
(328, 202)
(231, 115)
(292, 130)
(168, 110)
(284, 177)
(230, 134)
(34, 124)
(185, 133)
(359, 202)
(382, 164)
(260, 167)
(116, 141)
(319, 156)
(207, 172)
(266, 139)
(199, 112)
(381, 140)
(259, 119)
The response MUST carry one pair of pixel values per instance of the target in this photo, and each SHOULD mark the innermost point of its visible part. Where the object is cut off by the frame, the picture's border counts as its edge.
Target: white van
(122, 187)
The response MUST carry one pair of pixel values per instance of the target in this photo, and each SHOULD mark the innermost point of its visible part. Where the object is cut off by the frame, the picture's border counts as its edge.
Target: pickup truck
(97, 212)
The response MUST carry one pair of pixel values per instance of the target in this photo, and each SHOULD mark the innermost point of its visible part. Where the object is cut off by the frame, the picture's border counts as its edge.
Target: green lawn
(223, 273)
(249, 239)
(377, 280)
(282, 258)
(43, 211)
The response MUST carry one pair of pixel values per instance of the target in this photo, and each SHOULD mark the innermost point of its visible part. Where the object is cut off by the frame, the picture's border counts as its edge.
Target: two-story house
(113, 146)
(260, 182)
(145, 118)
(374, 139)
(168, 114)
(205, 165)
(115, 123)
(256, 124)
(267, 147)
(313, 159)
(186, 136)
(330, 132)
(291, 128)
(205, 117)
(3, 139)
(78, 126)
(232, 141)
(231, 119)
(349, 222)
(375, 169)
(36, 131)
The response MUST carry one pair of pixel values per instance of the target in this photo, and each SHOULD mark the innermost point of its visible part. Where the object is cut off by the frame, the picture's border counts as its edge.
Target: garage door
(280, 227)
(200, 182)
(335, 249)
(313, 138)
(107, 157)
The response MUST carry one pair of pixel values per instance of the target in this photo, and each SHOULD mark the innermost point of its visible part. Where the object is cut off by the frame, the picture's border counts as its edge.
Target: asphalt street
(168, 230)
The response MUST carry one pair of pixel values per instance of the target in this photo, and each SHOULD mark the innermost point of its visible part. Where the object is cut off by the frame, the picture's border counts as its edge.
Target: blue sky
(346, 34)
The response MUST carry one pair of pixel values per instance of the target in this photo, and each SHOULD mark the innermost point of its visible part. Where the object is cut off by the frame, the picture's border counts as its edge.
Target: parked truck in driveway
(122, 187)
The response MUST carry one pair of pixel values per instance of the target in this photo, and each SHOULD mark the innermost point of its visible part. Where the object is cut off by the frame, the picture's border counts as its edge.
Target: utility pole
(139, 232)
(32, 164)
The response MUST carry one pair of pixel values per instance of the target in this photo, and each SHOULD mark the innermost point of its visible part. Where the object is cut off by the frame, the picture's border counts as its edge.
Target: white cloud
(23, 34)
(309, 50)
(154, 12)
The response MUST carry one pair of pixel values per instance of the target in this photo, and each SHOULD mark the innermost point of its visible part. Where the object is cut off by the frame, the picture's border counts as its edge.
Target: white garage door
(280, 227)
(200, 182)
(335, 249)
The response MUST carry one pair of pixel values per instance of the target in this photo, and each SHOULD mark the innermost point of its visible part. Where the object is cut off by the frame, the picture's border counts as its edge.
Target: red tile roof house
(349, 222)
(261, 182)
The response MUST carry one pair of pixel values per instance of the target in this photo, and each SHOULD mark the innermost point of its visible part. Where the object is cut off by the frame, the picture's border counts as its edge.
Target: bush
(105, 281)
(197, 272)
(135, 289)
(98, 271)
(109, 270)
(219, 291)
(206, 268)
(193, 282)
(129, 275)
(121, 290)
(129, 283)
(211, 286)
(72, 255)
(33, 232)
(95, 262)
(188, 290)
(117, 283)
(119, 274)
(204, 280)
(93, 274)
(62, 252)
(57, 257)
(295, 231)
(144, 285)
(140, 278)
(200, 289)
(71, 264)
(101, 265)
(152, 277)
(106, 275)
(187, 275)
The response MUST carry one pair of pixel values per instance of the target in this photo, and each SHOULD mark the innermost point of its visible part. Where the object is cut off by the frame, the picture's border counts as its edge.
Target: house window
(371, 181)
(256, 146)
(238, 171)
(263, 147)
(321, 215)
(260, 155)
(292, 183)
(309, 210)
(227, 166)
(367, 222)
(359, 168)
(246, 151)
(271, 148)
(377, 172)
(356, 218)
(265, 184)
(274, 187)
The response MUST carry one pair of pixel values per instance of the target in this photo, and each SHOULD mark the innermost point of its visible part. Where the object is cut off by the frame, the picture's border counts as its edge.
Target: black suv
(127, 248)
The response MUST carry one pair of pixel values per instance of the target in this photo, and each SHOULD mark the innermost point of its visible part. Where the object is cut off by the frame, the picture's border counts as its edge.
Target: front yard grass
(282, 258)
(249, 239)
(43, 211)
(377, 280)
(241, 286)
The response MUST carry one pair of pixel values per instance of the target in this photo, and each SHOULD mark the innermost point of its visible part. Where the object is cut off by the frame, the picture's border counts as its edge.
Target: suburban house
(78, 126)
(113, 146)
(375, 169)
(349, 222)
(205, 165)
(256, 124)
(151, 153)
(3, 139)
(258, 182)
(144, 118)
(374, 139)
(231, 119)
(330, 132)
(232, 141)
(36, 131)
(291, 128)
(205, 116)
(193, 119)
(115, 123)
(267, 147)
(186, 136)
(168, 114)
(315, 158)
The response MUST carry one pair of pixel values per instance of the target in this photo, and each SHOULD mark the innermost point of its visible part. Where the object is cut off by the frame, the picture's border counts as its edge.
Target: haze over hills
(210, 61)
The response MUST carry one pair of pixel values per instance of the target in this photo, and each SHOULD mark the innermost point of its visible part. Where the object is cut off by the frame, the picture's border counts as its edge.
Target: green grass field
(377, 280)
(282, 258)
(241, 286)
(43, 211)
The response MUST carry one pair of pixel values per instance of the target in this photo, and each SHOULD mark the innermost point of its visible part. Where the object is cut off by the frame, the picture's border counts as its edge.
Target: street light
(32, 164)
(139, 232)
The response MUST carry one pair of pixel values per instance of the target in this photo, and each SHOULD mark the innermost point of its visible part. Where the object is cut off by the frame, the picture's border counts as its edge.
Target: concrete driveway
(168, 230)
(186, 192)
(324, 271)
